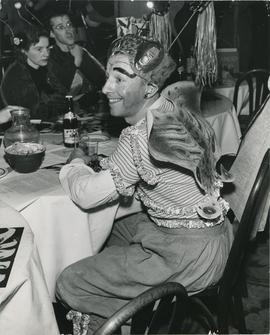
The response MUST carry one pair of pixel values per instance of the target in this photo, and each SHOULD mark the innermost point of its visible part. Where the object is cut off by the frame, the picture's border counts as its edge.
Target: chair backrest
(235, 266)
(257, 86)
(162, 309)
(253, 119)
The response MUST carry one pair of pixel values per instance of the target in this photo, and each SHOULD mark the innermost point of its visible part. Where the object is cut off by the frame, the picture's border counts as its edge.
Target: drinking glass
(89, 146)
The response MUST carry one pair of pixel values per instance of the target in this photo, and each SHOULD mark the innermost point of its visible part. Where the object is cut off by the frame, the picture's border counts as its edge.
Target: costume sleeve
(85, 187)
(90, 189)
(122, 167)
(93, 70)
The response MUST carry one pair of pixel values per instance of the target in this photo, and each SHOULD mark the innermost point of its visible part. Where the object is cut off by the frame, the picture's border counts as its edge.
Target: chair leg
(223, 315)
(238, 312)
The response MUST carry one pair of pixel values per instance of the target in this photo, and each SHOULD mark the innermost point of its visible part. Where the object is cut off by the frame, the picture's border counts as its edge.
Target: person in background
(165, 162)
(71, 66)
(25, 82)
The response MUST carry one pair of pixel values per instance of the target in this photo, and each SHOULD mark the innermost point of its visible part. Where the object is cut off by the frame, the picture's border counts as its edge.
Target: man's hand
(77, 52)
(79, 153)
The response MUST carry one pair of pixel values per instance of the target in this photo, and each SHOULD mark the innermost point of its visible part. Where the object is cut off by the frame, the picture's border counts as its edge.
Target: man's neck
(143, 111)
(63, 47)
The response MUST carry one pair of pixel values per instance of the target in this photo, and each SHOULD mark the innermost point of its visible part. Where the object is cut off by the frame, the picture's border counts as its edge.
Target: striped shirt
(169, 193)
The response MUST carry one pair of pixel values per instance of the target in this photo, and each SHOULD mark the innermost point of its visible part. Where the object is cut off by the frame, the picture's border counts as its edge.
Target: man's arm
(89, 189)
(5, 115)
(61, 69)
(85, 187)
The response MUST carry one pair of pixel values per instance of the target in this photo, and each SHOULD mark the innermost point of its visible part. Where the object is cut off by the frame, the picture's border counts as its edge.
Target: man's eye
(119, 79)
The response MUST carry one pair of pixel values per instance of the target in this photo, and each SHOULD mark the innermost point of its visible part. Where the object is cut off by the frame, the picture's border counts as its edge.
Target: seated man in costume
(71, 66)
(166, 160)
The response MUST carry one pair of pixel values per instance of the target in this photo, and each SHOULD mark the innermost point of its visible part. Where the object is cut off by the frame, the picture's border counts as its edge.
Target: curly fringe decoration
(160, 29)
(205, 47)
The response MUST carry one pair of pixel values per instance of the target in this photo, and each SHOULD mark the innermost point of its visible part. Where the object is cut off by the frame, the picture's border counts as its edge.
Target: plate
(43, 126)
(3, 172)
(98, 137)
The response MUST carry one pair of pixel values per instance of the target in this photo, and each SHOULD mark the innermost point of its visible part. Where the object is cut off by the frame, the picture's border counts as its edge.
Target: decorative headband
(146, 56)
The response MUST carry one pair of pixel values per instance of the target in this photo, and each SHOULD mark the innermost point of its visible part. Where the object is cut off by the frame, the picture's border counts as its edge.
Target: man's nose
(107, 86)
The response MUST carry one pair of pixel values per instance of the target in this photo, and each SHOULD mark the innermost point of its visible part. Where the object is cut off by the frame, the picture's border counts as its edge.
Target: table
(228, 92)
(63, 232)
(25, 304)
(220, 113)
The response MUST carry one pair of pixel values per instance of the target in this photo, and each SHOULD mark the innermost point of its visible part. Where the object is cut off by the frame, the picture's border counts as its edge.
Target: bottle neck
(69, 104)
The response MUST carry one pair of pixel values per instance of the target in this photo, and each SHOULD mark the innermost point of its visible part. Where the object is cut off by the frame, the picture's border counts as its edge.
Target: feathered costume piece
(183, 137)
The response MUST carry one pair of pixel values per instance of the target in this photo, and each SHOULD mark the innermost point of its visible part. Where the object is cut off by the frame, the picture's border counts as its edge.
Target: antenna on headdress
(195, 9)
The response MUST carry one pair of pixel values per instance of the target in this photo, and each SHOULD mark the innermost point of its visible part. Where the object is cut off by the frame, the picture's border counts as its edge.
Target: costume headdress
(146, 56)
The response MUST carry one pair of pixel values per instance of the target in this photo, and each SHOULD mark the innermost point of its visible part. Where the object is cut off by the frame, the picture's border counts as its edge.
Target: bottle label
(69, 115)
(71, 136)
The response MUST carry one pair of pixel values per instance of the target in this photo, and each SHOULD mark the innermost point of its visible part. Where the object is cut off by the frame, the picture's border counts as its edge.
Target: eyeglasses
(62, 27)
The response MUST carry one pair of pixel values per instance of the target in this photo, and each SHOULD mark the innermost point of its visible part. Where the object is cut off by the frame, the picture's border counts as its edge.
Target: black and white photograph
(134, 167)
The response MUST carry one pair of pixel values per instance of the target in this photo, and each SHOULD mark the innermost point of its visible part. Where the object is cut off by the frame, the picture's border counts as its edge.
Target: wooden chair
(258, 90)
(164, 309)
(253, 118)
(227, 295)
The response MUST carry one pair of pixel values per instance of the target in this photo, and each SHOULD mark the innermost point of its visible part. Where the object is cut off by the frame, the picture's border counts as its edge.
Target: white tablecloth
(220, 113)
(25, 305)
(63, 232)
(228, 92)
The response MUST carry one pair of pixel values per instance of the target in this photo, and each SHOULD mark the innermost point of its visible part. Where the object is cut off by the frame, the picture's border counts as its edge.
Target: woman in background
(25, 83)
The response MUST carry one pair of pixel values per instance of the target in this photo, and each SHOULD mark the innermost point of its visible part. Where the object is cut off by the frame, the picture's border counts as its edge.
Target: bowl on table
(25, 157)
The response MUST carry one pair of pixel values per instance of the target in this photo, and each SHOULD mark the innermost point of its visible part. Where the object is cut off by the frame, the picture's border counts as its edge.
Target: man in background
(70, 65)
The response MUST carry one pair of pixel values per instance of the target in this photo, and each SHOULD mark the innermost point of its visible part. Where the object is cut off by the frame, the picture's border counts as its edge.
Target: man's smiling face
(124, 89)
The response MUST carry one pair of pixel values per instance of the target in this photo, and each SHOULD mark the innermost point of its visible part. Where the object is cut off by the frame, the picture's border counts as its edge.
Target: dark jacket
(18, 88)
(62, 68)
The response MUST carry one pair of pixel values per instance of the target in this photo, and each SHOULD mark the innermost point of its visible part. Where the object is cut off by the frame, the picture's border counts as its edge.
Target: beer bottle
(70, 125)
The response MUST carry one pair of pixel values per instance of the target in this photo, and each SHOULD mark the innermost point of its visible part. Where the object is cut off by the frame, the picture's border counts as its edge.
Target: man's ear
(151, 90)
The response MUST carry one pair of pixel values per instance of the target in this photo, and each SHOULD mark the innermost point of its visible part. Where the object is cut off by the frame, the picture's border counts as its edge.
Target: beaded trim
(149, 176)
(166, 211)
(115, 173)
(132, 133)
(182, 213)
(185, 223)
